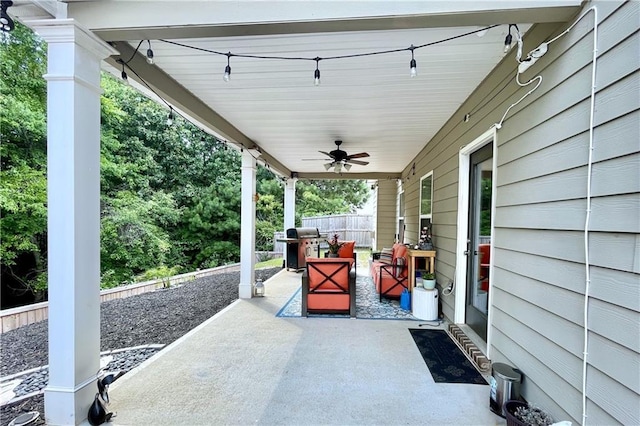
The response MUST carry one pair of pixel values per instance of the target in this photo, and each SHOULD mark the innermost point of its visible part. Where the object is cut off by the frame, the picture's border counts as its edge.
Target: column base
(68, 406)
(245, 291)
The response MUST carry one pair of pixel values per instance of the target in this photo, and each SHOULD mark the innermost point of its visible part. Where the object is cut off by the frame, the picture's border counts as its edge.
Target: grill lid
(303, 233)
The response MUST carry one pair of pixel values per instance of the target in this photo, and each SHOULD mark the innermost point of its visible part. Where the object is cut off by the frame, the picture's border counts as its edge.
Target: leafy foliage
(23, 196)
(170, 195)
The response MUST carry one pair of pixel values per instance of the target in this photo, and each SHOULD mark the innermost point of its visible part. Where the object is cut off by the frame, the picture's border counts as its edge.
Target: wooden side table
(429, 255)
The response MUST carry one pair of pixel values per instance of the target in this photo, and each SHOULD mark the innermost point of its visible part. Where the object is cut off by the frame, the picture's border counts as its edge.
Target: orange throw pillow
(346, 250)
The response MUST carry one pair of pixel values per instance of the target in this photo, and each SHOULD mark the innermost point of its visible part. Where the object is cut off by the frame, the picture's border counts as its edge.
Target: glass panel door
(479, 239)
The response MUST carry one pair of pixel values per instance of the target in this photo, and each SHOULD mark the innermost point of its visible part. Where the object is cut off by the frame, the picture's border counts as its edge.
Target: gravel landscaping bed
(158, 317)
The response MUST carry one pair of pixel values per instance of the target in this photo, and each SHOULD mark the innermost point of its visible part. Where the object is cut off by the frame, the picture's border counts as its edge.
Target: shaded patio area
(245, 365)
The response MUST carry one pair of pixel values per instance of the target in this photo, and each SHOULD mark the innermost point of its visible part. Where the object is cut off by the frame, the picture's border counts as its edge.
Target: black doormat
(447, 364)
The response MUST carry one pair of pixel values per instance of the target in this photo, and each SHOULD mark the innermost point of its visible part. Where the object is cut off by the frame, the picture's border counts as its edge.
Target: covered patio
(247, 366)
(431, 93)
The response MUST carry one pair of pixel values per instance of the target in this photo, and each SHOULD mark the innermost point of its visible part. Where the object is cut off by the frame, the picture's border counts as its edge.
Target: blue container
(405, 300)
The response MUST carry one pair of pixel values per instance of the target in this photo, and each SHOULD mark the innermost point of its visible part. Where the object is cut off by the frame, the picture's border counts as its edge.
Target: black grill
(301, 243)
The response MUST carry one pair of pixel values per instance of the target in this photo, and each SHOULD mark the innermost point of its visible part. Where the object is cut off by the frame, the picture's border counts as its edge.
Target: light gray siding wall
(539, 276)
(386, 206)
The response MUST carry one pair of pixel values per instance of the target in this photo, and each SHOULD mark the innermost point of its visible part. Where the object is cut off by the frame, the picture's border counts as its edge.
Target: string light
(227, 70)
(149, 54)
(316, 74)
(509, 38)
(6, 23)
(123, 74)
(412, 65)
(171, 116)
(338, 166)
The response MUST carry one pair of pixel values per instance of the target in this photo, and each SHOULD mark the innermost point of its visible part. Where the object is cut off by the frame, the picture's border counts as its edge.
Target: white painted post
(73, 186)
(290, 203)
(247, 226)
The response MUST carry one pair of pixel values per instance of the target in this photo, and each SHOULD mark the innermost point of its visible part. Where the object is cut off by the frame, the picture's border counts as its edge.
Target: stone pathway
(26, 384)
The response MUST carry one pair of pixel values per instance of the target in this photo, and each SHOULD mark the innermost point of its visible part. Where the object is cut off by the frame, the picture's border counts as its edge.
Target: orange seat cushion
(328, 301)
(399, 250)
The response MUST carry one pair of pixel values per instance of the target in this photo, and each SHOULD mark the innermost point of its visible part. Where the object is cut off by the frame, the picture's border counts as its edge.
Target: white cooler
(424, 304)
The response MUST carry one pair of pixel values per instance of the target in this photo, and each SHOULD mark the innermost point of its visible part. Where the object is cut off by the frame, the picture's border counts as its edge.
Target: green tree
(170, 195)
(133, 235)
(23, 196)
(324, 197)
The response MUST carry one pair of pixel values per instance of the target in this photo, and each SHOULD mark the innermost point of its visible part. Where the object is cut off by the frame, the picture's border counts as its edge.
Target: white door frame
(464, 160)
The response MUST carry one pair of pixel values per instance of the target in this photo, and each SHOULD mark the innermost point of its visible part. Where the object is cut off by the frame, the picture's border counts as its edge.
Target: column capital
(69, 30)
(248, 160)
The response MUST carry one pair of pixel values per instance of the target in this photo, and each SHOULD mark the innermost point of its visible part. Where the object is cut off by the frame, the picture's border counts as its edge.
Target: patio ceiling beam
(188, 104)
(160, 19)
(364, 176)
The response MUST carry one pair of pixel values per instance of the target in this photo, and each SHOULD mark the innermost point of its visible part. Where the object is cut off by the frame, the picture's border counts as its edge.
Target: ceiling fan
(339, 159)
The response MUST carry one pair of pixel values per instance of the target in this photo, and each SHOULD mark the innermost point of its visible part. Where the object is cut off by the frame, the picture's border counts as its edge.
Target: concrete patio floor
(247, 366)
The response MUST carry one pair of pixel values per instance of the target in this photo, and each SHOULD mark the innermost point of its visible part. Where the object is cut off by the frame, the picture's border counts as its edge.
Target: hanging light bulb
(507, 40)
(123, 74)
(227, 70)
(149, 54)
(6, 23)
(347, 166)
(338, 167)
(316, 74)
(412, 65)
(170, 117)
(328, 166)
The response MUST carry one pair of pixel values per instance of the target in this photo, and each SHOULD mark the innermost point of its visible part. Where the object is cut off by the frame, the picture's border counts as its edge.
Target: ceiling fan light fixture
(338, 168)
(328, 166)
(347, 166)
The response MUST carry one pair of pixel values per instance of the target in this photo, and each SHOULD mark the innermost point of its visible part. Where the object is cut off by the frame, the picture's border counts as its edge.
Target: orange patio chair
(328, 287)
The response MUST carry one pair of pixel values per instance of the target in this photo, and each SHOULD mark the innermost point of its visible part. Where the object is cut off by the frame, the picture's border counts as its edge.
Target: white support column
(73, 187)
(247, 226)
(290, 203)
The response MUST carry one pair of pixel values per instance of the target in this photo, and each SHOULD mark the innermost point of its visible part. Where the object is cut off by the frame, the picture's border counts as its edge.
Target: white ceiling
(369, 102)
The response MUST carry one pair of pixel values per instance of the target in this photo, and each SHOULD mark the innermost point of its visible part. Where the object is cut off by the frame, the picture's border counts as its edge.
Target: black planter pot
(510, 408)
(538, 416)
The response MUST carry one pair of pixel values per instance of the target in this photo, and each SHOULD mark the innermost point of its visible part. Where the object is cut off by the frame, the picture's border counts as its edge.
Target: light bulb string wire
(133, 55)
(326, 58)
(171, 108)
(177, 113)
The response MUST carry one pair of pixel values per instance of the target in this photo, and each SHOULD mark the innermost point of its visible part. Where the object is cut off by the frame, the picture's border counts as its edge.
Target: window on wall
(426, 196)
(426, 200)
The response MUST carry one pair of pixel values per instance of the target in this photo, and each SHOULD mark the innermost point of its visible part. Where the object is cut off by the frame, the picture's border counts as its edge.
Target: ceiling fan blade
(316, 159)
(362, 163)
(326, 153)
(358, 155)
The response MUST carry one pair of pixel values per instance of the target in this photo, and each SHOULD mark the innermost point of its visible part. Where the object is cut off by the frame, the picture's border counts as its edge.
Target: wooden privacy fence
(349, 227)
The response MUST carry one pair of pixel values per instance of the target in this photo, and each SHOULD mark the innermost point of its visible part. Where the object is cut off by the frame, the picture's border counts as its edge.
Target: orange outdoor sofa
(329, 287)
(390, 272)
